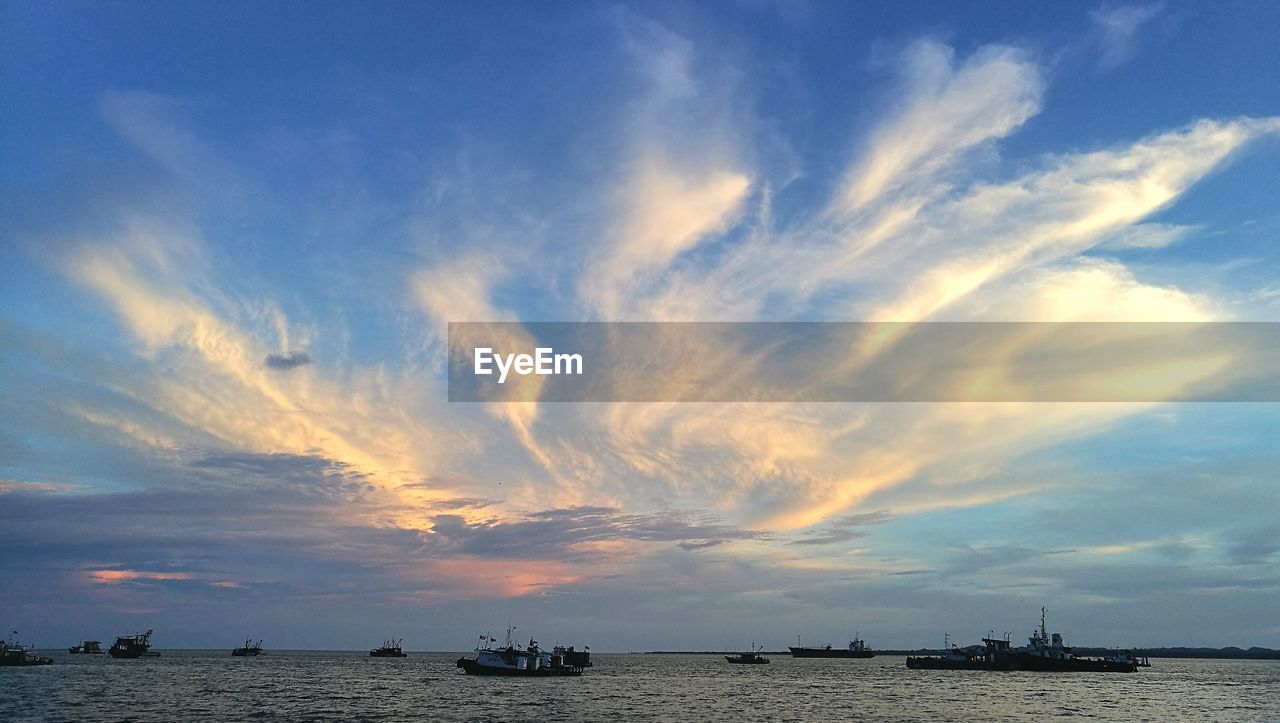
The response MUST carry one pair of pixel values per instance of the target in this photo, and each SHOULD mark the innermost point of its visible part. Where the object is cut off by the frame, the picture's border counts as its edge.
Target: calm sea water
(213, 685)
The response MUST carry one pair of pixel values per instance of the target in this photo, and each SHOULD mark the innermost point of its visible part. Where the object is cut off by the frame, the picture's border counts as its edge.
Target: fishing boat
(752, 658)
(857, 649)
(88, 647)
(249, 649)
(532, 661)
(133, 646)
(13, 654)
(389, 649)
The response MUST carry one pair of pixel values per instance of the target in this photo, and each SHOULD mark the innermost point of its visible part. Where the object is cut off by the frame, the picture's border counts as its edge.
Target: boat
(1130, 656)
(88, 647)
(14, 654)
(1044, 652)
(389, 649)
(249, 649)
(133, 646)
(1048, 652)
(994, 654)
(857, 649)
(752, 658)
(571, 657)
(532, 661)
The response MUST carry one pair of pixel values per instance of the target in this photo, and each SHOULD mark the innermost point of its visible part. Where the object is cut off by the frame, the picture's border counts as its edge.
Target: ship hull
(129, 654)
(927, 663)
(23, 661)
(471, 667)
(1025, 662)
(245, 653)
(1072, 665)
(833, 653)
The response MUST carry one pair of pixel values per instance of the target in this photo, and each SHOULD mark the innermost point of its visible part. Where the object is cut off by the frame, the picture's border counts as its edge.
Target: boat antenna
(1043, 633)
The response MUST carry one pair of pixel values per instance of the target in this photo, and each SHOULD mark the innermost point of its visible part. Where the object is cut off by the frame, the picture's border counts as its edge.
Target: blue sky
(191, 191)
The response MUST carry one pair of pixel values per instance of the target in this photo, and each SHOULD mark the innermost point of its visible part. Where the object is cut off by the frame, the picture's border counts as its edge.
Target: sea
(329, 686)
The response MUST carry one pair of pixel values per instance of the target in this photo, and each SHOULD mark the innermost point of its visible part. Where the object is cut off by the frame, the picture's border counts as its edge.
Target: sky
(233, 236)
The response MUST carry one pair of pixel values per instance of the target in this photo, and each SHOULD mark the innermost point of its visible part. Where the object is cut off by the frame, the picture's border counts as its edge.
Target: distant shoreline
(1229, 653)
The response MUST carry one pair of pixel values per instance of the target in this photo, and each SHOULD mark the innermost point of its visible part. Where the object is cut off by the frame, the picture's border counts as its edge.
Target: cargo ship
(857, 649)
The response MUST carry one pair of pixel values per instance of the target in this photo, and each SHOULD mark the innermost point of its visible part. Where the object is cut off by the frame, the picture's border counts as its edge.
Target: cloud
(285, 362)
(829, 537)
(1118, 28)
(948, 108)
(217, 383)
(925, 238)
(840, 529)
(1148, 236)
(161, 126)
(573, 532)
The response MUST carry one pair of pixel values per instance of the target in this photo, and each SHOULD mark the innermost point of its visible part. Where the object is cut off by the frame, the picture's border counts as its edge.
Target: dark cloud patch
(839, 529)
(459, 503)
(864, 519)
(692, 546)
(1259, 545)
(310, 475)
(829, 537)
(541, 534)
(285, 362)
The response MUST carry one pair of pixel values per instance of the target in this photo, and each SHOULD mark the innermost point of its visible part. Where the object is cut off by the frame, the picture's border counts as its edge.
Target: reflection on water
(328, 685)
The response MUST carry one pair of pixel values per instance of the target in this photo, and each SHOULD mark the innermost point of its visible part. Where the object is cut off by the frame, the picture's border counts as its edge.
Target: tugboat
(857, 649)
(249, 649)
(532, 661)
(14, 654)
(752, 658)
(389, 649)
(1047, 652)
(133, 646)
(88, 647)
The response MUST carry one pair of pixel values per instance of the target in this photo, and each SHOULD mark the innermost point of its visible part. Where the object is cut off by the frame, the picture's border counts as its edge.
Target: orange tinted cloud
(119, 576)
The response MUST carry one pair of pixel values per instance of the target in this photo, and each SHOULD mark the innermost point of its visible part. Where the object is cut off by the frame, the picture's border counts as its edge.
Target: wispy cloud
(1119, 28)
